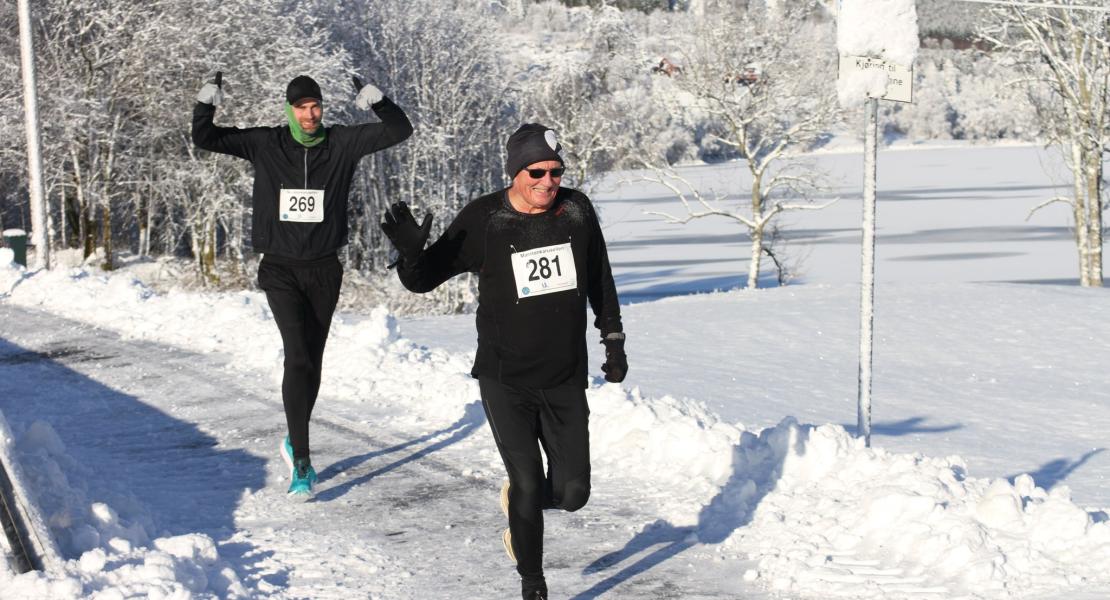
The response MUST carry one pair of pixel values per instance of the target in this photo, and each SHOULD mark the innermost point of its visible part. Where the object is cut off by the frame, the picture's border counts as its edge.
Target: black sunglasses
(539, 173)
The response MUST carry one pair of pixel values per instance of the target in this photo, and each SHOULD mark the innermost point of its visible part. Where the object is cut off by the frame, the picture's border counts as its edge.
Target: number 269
(302, 203)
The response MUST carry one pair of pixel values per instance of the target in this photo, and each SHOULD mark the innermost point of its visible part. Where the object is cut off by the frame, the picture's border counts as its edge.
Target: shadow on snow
(908, 426)
(473, 417)
(158, 472)
(753, 477)
(1054, 472)
(704, 285)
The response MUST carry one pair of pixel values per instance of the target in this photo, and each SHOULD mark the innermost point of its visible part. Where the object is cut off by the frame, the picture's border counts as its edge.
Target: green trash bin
(16, 239)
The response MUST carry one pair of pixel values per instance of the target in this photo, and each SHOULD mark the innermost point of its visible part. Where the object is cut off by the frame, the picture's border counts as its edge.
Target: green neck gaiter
(305, 139)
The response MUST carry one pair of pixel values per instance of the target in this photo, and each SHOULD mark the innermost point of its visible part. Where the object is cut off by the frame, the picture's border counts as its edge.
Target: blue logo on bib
(525, 290)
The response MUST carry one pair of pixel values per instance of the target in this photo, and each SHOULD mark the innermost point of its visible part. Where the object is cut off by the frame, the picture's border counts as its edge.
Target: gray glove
(213, 92)
(368, 95)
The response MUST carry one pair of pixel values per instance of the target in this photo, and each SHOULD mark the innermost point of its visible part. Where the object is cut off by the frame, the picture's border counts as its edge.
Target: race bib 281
(544, 271)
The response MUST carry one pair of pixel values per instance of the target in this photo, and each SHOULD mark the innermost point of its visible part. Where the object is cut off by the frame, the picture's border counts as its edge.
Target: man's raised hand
(368, 94)
(213, 91)
(400, 227)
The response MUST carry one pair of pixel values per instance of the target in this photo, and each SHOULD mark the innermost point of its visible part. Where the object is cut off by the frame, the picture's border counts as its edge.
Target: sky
(144, 426)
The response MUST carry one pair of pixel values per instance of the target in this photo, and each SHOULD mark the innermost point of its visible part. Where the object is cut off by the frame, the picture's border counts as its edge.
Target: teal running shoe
(286, 449)
(302, 480)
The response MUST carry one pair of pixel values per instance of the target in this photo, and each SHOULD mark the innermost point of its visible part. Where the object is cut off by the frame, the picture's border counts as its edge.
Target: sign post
(877, 41)
(867, 275)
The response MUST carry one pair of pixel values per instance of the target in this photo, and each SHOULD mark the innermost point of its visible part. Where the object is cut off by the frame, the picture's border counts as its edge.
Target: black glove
(616, 362)
(401, 228)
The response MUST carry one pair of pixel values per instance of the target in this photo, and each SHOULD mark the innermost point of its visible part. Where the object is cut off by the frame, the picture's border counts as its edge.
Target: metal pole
(34, 156)
(867, 277)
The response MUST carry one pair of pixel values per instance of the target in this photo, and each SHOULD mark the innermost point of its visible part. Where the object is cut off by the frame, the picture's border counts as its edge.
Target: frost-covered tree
(583, 97)
(212, 208)
(759, 94)
(14, 210)
(642, 5)
(962, 94)
(573, 102)
(441, 63)
(117, 81)
(513, 8)
(89, 111)
(1064, 53)
(950, 19)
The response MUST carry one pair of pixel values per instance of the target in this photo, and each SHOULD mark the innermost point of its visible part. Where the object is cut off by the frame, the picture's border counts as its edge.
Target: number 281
(543, 268)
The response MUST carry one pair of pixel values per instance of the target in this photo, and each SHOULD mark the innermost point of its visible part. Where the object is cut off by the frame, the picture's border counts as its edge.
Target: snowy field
(725, 466)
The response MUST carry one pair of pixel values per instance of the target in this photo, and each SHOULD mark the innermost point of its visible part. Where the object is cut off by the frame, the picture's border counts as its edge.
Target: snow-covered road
(180, 444)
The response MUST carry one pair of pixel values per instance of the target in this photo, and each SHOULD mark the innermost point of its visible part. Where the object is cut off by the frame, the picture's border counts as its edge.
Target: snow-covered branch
(1057, 199)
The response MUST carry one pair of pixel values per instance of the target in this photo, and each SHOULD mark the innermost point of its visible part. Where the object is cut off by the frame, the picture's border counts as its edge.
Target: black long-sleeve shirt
(281, 162)
(527, 335)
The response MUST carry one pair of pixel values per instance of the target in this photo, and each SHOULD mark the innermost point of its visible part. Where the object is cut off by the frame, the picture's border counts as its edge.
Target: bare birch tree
(1064, 54)
(765, 94)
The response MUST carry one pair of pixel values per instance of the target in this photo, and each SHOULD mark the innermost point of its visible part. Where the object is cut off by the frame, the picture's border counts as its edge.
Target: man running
(540, 255)
(302, 176)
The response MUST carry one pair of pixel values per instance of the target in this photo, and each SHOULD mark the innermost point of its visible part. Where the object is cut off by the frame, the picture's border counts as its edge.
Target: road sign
(899, 83)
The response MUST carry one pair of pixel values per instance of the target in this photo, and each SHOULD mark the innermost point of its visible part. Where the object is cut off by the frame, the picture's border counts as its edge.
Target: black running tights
(523, 421)
(302, 298)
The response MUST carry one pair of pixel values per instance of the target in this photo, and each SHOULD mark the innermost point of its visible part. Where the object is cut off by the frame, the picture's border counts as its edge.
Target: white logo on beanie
(549, 137)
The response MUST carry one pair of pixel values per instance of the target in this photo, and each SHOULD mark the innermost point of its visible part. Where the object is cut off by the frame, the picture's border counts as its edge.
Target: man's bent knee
(576, 493)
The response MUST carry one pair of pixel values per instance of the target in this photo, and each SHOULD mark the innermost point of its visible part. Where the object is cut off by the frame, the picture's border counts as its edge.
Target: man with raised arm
(302, 176)
(540, 256)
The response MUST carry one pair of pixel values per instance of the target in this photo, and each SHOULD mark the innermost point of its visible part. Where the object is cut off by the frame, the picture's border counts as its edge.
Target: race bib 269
(301, 206)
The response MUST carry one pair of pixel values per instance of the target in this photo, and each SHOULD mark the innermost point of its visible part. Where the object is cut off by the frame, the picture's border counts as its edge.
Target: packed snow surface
(147, 425)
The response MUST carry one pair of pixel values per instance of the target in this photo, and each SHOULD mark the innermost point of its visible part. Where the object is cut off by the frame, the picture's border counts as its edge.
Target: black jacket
(281, 162)
(526, 337)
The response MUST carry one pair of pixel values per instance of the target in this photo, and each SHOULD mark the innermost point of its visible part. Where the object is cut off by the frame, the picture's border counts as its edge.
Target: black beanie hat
(303, 87)
(532, 143)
